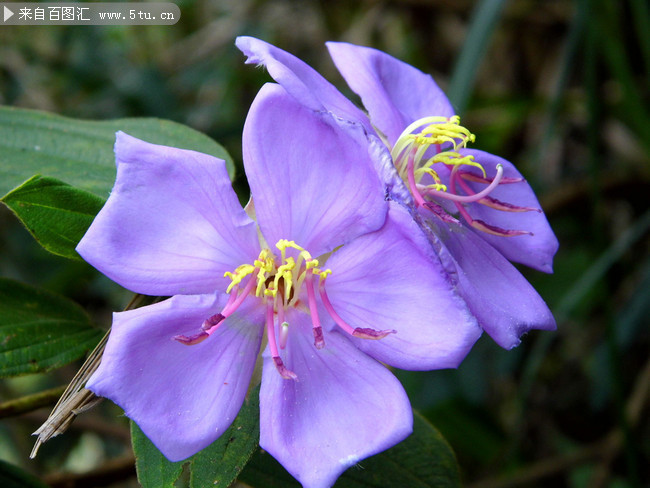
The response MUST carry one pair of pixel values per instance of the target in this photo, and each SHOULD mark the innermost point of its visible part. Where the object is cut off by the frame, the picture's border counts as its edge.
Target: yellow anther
(240, 273)
(437, 187)
(283, 244)
(455, 159)
(286, 273)
(324, 274)
(268, 271)
(411, 146)
(261, 281)
(311, 264)
(264, 255)
(440, 133)
(420, 172)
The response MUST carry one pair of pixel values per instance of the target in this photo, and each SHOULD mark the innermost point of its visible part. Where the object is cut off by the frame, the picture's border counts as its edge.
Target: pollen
(432, 144)
(273, 275)
(445, 135)
(277, 282)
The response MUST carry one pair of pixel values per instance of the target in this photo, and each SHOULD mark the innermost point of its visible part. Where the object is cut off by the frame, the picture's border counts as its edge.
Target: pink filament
(270, 334)
(211, 325)
(471, 197)
(364, 333)
(410, 171)
(471, 176)
(231, 307)
(236, 298)
(319, 341)
(452, 187)
(494, 203)
(479, 224)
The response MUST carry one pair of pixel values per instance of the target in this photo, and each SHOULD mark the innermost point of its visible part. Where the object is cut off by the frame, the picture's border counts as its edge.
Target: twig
(30, 402)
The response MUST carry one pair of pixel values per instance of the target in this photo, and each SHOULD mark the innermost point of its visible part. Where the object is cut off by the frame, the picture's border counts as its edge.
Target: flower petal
(344, 407)
(394, 93)
(172, 224)
(536, 250)
(182, 397)
(505, 304)
(300, 80)
(389, 279)
(311, 181)
(309, 88)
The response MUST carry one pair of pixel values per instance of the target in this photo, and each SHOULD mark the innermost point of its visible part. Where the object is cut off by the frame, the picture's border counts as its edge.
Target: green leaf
(80, 152)
(423, 460)
(218, 464)
(55, 213)
(40, 330)
(14, 477)
(154, 470)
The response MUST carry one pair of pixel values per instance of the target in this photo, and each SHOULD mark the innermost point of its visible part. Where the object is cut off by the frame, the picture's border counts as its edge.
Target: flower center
(278, 282)
(419, 155)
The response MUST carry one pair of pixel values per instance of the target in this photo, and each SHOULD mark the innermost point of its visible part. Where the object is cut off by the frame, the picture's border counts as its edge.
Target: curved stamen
(494, 203)
(476, 223)
(472, 197)
(278, 285)
(440, 212)
(505, 206)
(273, 346)
(211, 324)
(497, 231)
(362, 333)
(419, 199)
(229, 309)
(319, 341)
(471, 176)
(459, 207)
(231, 298)
(437, 131)
(191, 340)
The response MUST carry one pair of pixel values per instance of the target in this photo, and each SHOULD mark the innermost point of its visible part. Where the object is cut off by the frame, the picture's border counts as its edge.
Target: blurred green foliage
(558, 87)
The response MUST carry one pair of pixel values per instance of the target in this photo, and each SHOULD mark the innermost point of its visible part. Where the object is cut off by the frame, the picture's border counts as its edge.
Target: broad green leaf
(14, 477)
(216, 465)
(423, 460)
(55, 213)
(40, 330)
(154, 470)
(221, 463)
(80, 152)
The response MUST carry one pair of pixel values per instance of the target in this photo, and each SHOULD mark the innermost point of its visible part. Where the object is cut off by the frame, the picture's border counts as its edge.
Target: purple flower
(476, 209)
(334, 277)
